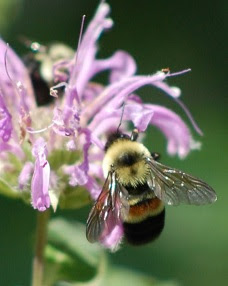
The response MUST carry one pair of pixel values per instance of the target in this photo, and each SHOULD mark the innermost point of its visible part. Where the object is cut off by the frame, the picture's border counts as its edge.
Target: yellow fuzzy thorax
(127, 175)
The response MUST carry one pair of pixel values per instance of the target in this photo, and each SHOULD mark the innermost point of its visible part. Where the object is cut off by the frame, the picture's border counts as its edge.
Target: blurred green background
(193, 249)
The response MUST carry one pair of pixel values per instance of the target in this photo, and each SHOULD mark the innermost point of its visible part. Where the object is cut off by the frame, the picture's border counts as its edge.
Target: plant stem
(41, 237)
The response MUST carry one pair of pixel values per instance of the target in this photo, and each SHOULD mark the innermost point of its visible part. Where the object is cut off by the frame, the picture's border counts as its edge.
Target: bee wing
(174, 187)
(109, 209)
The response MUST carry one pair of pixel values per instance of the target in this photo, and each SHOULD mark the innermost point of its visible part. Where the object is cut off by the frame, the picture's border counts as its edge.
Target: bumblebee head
(113, 137)
(126, 157)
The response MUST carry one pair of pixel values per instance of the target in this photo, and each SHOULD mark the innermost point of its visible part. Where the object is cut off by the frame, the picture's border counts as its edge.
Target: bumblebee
(40, 61)
(136, 189)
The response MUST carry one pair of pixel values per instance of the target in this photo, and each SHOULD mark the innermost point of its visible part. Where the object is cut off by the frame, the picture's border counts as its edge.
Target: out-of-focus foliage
(72, 258)
(10, 9)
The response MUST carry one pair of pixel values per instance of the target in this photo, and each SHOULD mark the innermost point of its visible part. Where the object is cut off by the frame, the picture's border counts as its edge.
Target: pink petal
(6, 126)
(41, 177)
(114, 238)
(176, 131)
(25, 175)
(121, 65)
(40, 185)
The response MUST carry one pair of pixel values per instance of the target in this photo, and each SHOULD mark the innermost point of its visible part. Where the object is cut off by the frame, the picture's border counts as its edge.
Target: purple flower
(41, 177)
(76, 123)
(5, 121)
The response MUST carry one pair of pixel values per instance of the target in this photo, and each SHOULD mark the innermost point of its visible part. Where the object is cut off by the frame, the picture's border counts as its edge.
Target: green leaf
(7, 190)
(56, 262)
(71, 237)
(116, 276)
(69, 255)
(9, 180)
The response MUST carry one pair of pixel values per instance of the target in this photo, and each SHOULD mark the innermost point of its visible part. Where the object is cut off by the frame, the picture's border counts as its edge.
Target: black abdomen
(146, 230)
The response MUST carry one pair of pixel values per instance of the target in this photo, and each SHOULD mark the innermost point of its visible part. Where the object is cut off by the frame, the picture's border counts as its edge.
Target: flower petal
(5, 121)
(113, 240)
(12, 148)
(18, 73)
(176, 131)
(82, 69)
(136, 113)
(41, 177)
(78, 175)
(25, 175)
(116, 93)
(79, 172)
(121, 65)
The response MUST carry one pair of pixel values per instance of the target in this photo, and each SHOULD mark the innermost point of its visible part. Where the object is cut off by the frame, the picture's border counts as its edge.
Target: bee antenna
(121, 118)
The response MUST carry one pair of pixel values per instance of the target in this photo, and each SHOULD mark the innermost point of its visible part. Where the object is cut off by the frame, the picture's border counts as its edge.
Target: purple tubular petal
(174, 92)
(137, 113)
(121, 89)
(121, 65)
(113, 232)
(25, 175)
(41, 177)
(81, 72)
(113, 240)
(78, 175)
(5, 121)
(138, 82)
(24, 107)
(71, 96)
(124, 66)
(91, 92)
(14, 149)
(79, 172)
(87, 133)
(17, 72)
(61, 126)
(176, 131)
(174, 128)
(58, 70)
(93, 187)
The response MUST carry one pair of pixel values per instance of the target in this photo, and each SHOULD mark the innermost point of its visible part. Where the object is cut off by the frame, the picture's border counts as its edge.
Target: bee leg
(156, 156)
(134, 134)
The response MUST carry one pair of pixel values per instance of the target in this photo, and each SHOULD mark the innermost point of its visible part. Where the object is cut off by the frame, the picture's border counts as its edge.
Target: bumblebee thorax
(127, 159)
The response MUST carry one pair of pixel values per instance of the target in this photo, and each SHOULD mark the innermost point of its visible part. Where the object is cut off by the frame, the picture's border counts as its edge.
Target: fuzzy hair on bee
(136, 189)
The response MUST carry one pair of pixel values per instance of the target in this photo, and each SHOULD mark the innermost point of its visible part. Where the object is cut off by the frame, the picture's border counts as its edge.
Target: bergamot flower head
(52, 154)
